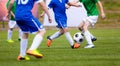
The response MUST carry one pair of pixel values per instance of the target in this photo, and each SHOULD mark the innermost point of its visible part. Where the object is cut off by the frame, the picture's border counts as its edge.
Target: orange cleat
(75, 46)
(49, 42)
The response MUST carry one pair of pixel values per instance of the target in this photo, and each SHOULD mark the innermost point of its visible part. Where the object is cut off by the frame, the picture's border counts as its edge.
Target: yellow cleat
(34, 53)
(10, 41)
(22, 58)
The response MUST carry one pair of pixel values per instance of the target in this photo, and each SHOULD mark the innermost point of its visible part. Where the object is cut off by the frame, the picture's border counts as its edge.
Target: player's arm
(42, 14)
(10, 5)
(44, 7)
(74, 3)
(12, 14)
(9, 8)
(101, 9)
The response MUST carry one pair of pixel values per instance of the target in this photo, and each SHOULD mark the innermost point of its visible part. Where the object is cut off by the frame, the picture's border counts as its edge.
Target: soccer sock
(55, 35)
(20, 33)
(36, 42)
(88, 37)
(23, 47)
(69, 38)
(9, 34)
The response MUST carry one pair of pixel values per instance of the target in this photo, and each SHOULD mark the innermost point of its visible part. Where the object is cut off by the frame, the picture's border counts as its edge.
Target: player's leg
(11, 25)
(10, 35)
(52, 37)
(20, 35)
(36, 27)
(87, 35)
(55, 35)
(69, 38)
(93, 38)
(23, 47)
(80, 27)
(35, 44)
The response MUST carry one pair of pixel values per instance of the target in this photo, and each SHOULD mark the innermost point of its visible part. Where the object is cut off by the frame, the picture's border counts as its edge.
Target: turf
(105, 53)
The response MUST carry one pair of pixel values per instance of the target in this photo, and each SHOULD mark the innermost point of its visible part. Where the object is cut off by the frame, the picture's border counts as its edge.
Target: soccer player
(91, 19)
(59, 9)
(12, 24)
(29, 24)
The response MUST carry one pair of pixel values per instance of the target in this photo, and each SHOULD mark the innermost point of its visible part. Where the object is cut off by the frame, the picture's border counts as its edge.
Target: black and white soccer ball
(78, 37)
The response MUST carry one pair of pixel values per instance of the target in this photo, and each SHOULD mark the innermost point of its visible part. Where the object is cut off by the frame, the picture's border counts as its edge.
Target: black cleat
(94, 39)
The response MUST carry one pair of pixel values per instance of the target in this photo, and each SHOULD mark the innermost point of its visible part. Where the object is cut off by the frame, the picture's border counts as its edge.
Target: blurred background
(111, 8)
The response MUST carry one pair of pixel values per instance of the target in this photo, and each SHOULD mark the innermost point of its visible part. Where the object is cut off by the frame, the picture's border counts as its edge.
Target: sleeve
(38, 1)
(80, 0)
(95, 1)
(51, 4)
(7, 4)
(66, 1)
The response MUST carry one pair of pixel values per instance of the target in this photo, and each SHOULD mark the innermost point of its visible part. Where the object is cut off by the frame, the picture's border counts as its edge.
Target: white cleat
(89, 46)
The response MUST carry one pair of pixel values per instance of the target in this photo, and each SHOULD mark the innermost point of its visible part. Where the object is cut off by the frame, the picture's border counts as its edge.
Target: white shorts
(91, 19)
(12, 24)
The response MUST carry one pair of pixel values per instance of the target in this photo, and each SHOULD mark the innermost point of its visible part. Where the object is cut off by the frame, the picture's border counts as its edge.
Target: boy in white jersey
(29, 24)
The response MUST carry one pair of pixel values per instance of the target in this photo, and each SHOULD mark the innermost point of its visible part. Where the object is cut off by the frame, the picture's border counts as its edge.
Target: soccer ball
(78, 37)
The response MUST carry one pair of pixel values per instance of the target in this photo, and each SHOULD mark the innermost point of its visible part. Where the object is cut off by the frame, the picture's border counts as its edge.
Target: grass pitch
(105, 53)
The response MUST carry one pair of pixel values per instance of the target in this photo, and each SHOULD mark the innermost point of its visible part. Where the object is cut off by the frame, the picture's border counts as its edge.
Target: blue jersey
(59, 10)
(24, 7)
(24, 18)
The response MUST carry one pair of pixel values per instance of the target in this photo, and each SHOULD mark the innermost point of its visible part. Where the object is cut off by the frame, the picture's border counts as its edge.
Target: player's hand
(67, 6)
(103, 16)
(78, 5)
(8, 16)
(50, 20)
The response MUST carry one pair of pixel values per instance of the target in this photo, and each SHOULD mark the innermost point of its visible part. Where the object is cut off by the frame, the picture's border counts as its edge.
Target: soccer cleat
(89, 46)
(49, 41)
(75, 46)
(22, 58)
(19, 39)
(94, 39)
(10, 41)
(34, 53)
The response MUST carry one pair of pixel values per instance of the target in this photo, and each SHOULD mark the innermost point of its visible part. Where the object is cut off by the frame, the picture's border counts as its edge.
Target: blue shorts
(30, 25)
(61, 23)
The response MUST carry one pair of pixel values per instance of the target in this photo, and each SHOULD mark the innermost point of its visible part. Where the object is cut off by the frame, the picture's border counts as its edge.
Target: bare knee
(42, 32)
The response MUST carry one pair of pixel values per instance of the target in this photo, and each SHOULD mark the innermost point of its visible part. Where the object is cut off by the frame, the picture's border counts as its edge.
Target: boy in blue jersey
(29, 24)
(59, 9)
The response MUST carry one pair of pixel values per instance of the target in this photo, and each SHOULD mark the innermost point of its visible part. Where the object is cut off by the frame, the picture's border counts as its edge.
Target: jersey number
(22, 1)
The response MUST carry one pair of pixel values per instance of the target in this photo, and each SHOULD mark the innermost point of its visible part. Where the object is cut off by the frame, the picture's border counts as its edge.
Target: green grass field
(105, 53)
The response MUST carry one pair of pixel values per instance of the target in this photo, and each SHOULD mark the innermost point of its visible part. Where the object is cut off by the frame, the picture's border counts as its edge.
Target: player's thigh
(12, 24)
(92, 19)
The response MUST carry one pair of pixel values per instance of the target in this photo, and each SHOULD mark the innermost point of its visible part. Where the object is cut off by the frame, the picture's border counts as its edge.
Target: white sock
(9, 34)
(23, 47)
(20, 33)
(36, 42)
(88, 37)
(91, 35)
(55, 35)
(69, 38)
